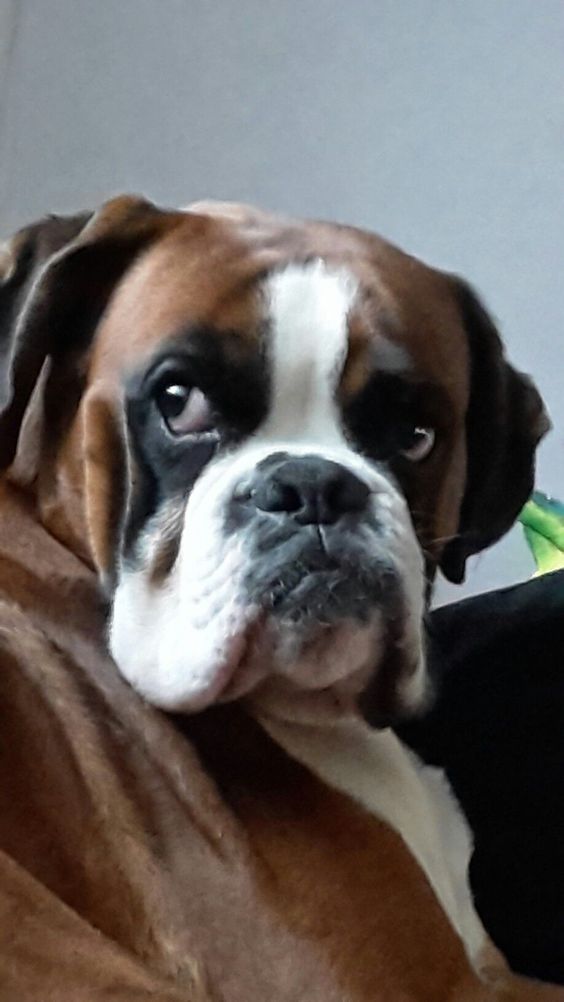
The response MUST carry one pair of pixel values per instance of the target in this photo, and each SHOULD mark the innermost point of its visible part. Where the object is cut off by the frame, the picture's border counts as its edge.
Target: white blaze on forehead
(308, 306)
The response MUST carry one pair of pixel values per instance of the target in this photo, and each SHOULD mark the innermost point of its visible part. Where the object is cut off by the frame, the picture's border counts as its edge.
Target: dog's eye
(421, 444)
(185, 409)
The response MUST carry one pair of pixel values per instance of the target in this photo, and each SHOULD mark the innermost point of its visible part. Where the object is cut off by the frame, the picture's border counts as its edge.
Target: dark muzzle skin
(306, 520)
(318, 559)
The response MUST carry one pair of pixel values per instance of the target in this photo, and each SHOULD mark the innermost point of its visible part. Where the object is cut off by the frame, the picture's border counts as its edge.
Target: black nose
(314, 491)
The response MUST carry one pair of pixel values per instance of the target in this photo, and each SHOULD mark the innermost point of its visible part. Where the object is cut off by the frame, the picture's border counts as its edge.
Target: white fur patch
(177, 643)
(309, 306)
(379, 772)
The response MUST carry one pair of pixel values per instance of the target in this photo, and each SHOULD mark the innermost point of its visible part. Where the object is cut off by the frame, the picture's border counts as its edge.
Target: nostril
(334, 495)
(291, 498)
(275, 496)
(340, 495)
(347, 494)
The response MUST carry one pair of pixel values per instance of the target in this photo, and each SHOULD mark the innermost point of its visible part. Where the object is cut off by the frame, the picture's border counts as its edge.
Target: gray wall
(437, 122)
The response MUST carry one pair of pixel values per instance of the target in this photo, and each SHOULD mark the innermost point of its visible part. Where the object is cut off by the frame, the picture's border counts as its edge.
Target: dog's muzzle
(305, 518)
(297, 575)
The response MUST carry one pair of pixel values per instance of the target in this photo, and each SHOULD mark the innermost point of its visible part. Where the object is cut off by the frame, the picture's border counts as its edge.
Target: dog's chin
(301, 670)
(304, 671)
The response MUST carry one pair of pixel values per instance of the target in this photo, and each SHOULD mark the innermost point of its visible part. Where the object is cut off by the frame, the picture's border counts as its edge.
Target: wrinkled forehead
(320, 294)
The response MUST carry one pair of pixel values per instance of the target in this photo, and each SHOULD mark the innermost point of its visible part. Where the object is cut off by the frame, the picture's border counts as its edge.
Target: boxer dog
(237, 448)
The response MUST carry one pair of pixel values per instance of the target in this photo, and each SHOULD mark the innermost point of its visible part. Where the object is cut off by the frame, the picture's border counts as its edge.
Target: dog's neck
(379, 772)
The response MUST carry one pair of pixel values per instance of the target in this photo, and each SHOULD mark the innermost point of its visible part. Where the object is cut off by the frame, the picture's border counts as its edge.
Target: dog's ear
(55, 280)
(505, 422)
(22, 259)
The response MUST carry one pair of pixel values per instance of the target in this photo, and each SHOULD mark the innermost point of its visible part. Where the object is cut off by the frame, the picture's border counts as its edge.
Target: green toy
(542, 519)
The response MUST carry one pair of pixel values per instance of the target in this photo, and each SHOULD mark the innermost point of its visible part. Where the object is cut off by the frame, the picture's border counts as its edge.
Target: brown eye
(185, 409)
(422, 442)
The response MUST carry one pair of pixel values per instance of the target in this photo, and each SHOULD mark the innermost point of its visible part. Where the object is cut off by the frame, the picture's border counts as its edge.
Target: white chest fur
(382, 774)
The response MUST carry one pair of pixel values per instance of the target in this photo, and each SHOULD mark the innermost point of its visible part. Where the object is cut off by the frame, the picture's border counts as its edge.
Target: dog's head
(266, 435)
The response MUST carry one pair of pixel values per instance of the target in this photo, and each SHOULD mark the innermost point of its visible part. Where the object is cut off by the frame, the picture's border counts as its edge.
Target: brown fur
(146, 858)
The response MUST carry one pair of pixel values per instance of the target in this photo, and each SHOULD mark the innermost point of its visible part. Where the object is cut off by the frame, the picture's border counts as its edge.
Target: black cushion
(497, 728)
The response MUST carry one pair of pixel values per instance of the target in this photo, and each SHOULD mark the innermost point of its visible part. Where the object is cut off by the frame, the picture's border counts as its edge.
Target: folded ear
(506, 420)
(107, 486)
(55, 280)
(22, 259)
